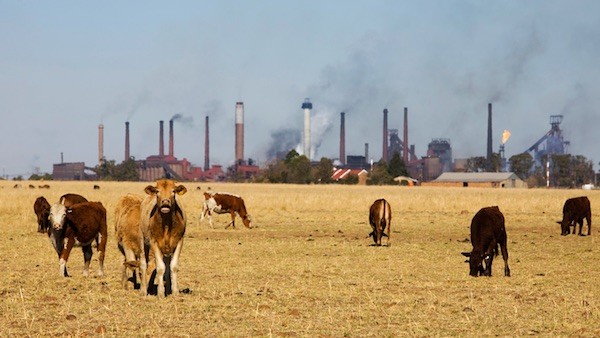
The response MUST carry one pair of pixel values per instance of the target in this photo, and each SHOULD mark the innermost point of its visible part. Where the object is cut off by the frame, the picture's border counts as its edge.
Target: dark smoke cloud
(283, 141)
(186, 121)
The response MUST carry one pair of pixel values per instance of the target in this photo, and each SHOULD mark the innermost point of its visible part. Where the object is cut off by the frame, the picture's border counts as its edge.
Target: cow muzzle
(165, 206)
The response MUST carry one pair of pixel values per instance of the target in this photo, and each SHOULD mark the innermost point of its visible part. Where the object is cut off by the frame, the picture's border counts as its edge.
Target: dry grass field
(309, 270)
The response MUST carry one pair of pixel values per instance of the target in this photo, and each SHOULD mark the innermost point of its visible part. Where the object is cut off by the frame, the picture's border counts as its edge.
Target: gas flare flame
(505, 136)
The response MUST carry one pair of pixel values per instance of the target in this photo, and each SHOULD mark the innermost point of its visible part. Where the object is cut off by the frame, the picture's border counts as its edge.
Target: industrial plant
(437, 160)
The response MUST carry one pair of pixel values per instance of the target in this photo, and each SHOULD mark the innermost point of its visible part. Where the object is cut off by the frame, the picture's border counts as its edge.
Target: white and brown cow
(163, 222)
(82, 224)
(57, 235)
(380, 218)
(130, 240)
(225, 203)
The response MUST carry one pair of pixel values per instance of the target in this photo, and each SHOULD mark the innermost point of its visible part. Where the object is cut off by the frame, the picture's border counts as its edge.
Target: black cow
(487, 232)
(574, 211)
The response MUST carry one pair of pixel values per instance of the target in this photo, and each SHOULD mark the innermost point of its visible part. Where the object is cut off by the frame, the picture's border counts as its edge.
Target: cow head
(57, 216)
(165, 192)
(476, 264)
(247, 220)
(565, 227)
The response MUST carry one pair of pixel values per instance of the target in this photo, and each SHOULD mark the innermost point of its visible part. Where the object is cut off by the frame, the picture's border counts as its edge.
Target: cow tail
(383, 217)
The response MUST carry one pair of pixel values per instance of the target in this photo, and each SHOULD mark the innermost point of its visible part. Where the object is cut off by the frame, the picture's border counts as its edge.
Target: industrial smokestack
(405, 150)
(343, 139)
(385, 135)
(100, 144)
(489, 139)
(126, 141)
(161, 139)
(206, 148)
(307, 106)
(171, 143)
(239, 132)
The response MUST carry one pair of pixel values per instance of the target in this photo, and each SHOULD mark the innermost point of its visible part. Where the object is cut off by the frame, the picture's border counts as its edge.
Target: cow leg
(174, 265)
(128, 267)
(160, 270)
(64, 256)
(101, 252)
(87, 258)
(580, 222)
(589, 224)
(232, 221)
(143, 268)
(505, 258)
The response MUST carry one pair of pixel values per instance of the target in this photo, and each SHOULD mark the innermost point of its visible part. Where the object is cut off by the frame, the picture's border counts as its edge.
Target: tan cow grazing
(130, 240)
(163, 223)
(224, 203)
(380, 217)
(87, 222)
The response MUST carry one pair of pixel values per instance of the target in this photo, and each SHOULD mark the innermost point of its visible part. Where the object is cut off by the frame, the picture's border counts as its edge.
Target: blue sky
(68, 66)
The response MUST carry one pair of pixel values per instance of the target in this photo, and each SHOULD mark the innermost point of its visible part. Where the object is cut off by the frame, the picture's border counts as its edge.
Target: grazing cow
(380, 217)
(224, 203)
(574, 211)
(31, 186)
(87, 222)
(45, 186)
(130, 240)
(487, 232)
(163, 224)
(41, 207)
(96, 187)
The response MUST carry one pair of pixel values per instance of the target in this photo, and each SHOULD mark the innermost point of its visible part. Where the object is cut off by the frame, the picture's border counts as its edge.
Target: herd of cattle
(150, 230)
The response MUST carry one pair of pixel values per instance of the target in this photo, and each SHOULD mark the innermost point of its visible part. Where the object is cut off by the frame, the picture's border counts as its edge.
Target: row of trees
(296, 168)
(567, 171)
(125, 171)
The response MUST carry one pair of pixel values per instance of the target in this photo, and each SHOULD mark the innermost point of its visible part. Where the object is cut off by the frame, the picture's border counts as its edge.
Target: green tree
(396, 167)
(380, 174)
(299, 170)
(476, 164)
(127, 171)
(105, 170)
(276, 172)
(521, 164)
(323, 171)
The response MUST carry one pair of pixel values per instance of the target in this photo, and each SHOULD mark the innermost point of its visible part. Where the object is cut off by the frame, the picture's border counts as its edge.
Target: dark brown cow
(574, 211)
(380, 218)
(96, 187)
(487, 232)
(87, 222)
(224, 203)
(163, 224)
(41, 207)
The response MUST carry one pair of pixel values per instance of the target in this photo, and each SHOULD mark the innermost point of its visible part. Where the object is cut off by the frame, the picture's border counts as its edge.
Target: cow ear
(180, 190)
(150, 190)
(466, 254)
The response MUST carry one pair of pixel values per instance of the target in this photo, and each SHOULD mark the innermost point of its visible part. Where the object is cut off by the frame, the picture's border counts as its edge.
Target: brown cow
(163, 226)
(41, 207)
(380, 217)
(574, 211)
(224, 203)
(87, 222)
(487, 232)
(57, 237)
(130, 240)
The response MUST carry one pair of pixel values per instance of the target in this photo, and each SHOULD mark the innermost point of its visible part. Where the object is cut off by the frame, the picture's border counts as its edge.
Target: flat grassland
(310, 270)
